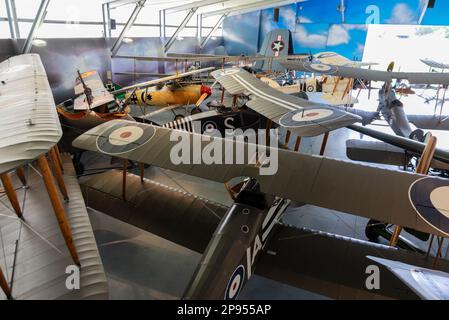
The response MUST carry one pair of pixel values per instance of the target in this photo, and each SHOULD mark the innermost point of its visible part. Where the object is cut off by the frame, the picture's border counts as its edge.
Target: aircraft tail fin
(277, 43)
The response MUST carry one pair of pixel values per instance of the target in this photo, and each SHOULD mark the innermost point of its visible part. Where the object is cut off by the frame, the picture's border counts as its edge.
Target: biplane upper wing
(147, 84)
(100, 94)
(435, 64)
(366, 74)
(29, 125)
(303, 117)
(410, 200)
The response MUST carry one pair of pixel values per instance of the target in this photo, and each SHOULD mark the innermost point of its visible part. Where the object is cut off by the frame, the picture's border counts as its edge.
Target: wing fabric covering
(385, 195)
(366, 74)
(29, 125)
(303, 117)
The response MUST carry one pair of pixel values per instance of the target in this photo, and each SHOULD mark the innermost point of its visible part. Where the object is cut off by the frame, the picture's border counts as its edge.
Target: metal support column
(40, 16)
(199, 27)
(209, 35)
(128, 25)
(180, 28)
(105, 20)
(12, 19)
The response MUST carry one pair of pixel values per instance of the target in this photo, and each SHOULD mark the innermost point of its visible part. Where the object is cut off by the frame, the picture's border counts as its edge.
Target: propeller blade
(201, 99)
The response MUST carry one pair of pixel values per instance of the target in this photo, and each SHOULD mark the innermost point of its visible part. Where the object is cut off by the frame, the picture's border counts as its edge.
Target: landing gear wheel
(179, 117)
(195, 111)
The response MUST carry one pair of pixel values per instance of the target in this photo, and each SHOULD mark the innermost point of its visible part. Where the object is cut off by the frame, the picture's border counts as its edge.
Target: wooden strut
(58, 174)
(438, 255)
(336, 85)
(5, 286)
(142, 172)
(422, 168)
(267, 132)
(297, 143)
(222, 94)
(324, 143)
(287, 138)
(21, 175)
(125, 167)
(11, 194)
(57, 207)
(58, 156)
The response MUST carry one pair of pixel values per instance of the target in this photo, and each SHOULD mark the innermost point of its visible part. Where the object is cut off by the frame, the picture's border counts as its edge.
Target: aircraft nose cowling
(206, 90)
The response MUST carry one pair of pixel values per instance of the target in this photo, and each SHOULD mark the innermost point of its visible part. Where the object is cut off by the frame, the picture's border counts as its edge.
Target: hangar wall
(63, 57)
(318, 27)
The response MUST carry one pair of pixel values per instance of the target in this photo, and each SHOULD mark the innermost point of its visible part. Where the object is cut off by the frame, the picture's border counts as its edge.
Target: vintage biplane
(250, 238)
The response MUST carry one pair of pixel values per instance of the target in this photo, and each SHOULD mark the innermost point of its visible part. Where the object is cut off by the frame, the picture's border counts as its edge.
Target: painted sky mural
(316, 25)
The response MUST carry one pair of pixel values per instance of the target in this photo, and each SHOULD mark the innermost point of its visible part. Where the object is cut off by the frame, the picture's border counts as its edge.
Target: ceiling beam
(179, 29)
(38, 20)
(259, 5)
(192, 5)
(209, 35)
(139, 5)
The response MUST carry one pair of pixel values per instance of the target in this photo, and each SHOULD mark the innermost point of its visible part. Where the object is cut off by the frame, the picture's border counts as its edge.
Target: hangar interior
(350, 94)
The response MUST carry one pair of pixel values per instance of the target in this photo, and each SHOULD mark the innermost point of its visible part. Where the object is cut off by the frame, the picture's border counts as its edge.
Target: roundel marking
(124, 137)
(430, 199)
(310, 89)
(209, 127)
(299, 118)
(235, 283)
(320, 67)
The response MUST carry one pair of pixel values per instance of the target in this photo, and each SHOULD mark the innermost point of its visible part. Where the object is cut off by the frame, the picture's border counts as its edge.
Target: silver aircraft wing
(303, 117)
(366, 74)
(29, 125)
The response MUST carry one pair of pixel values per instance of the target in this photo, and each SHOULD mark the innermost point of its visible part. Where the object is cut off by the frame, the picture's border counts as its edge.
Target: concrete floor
(141, 265)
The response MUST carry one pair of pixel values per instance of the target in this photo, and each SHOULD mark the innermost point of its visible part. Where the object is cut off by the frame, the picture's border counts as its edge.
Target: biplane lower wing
(428, 284)
(410, 200)
(303, 117)
(336, 265)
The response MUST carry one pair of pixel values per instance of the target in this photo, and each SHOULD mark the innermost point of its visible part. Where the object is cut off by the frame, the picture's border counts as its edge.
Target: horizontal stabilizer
(376, 152)
(401, 142)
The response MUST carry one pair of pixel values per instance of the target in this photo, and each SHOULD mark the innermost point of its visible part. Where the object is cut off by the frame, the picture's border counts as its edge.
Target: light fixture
(214, 38)
(39, 43)
(127, 40)
(180, 38)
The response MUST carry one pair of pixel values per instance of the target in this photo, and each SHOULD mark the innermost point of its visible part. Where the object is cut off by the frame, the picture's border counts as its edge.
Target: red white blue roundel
(303, 117)
(430, 198)
(235, 283)
(124, 137)
(320, 68)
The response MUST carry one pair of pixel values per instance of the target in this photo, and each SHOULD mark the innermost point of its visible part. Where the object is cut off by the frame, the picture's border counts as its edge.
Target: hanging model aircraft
(249, 233)
(303, 117)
